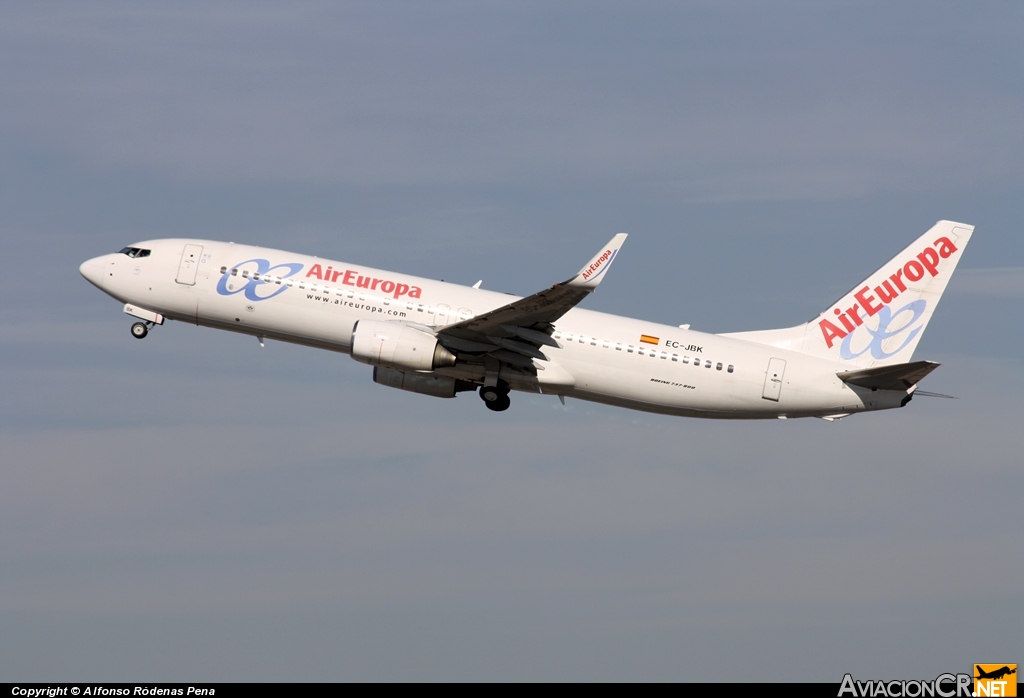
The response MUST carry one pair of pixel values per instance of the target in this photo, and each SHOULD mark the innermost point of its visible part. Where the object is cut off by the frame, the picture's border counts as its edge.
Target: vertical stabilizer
(881, 320)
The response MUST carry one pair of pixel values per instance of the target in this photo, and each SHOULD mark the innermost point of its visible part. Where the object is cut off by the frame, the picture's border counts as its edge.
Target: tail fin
(881, 320)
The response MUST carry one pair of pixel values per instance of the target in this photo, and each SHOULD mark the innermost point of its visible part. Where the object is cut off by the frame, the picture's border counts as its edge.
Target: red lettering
(854, 315)
(596, 265)
(865, 298)
(347, 279)
(930, 259)
(375, 282)
(387, 286)
(401, 290)
(830, 332)
(316, 271)
(913, 271)
(896, 280)
(946, 249)
(334, 277)
(363, 282)
(415, 292)
(885, 293)
(845, 320)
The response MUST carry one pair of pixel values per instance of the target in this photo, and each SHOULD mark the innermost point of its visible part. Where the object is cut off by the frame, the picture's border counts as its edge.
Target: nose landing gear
(141, 329)
(495, 398)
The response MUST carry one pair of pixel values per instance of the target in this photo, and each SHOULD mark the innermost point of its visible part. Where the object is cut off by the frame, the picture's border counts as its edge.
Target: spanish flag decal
(648, 339)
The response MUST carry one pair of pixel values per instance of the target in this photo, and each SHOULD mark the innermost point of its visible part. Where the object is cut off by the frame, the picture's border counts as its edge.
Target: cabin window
(629, 348)
(718, 367)
(223, 270)
(256, 276)
(234, 272)
(729, 370)
(593, 341)
(664, 355)
(675, 357)
(605, 344)
(708, 364)
(618, 347)
(245, 274)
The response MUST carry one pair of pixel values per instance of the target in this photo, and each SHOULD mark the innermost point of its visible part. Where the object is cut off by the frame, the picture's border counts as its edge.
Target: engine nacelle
(398, 345)
(422, 383)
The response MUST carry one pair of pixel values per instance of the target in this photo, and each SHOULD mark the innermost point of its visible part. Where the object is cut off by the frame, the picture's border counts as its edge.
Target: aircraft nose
(92, 270)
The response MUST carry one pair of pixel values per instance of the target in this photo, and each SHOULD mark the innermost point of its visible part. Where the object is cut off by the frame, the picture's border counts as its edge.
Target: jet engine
(399, 346)
(422, 383)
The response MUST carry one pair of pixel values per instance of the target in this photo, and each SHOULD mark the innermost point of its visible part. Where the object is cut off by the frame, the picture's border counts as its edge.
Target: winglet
(593, 271)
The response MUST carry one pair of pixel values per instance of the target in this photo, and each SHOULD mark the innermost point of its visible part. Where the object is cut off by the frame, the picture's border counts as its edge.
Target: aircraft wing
(515, 332)
(895, 377)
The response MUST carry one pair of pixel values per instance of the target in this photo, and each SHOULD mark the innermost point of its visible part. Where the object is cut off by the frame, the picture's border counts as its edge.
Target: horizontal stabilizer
(897, 377)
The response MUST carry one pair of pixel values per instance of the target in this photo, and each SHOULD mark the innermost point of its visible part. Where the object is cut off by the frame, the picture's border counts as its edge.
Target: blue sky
(193, 507)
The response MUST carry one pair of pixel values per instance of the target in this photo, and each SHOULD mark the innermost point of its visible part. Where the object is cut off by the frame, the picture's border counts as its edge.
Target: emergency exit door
(189, 265)
(773, 379)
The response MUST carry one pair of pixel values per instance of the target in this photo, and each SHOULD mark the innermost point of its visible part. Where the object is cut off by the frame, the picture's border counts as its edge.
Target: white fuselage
(601, 357)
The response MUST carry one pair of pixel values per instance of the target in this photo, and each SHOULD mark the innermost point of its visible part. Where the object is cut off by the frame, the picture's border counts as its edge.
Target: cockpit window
(135, 252)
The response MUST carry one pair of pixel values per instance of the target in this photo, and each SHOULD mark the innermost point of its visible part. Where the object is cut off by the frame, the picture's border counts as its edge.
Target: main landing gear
(495, 397)
(141, 329)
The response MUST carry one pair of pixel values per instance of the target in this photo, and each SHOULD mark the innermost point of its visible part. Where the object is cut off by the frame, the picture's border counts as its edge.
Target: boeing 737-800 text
(440, 339)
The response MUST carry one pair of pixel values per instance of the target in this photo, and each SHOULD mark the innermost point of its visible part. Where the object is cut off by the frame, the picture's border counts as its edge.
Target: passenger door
(773, 379)
(189, 265)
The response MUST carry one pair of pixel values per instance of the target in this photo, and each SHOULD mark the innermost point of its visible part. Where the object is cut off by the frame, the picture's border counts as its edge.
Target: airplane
(440, 339)
(995, 674)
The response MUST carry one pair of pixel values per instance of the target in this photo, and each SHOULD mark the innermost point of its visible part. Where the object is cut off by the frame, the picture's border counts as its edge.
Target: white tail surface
(881, 320)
